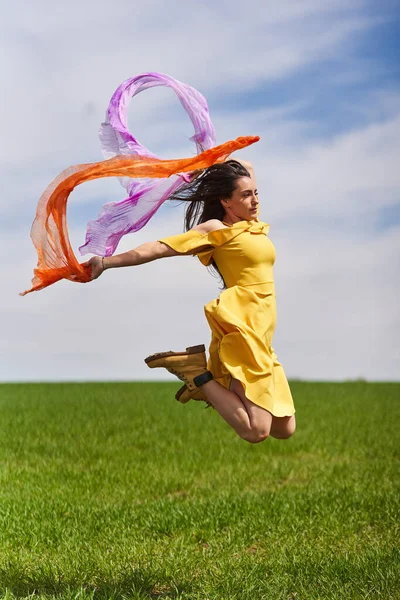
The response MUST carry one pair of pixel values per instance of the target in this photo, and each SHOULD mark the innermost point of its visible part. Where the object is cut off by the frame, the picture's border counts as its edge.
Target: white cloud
(60, 65)
(336, 276)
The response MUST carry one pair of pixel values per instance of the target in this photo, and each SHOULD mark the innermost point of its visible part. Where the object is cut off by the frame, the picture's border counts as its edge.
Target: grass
(115, 491)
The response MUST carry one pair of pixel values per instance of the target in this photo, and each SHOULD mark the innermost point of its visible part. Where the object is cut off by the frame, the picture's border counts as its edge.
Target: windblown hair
(205, 192)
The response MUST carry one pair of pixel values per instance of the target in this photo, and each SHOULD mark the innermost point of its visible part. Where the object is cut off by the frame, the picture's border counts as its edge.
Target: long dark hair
(205, 192)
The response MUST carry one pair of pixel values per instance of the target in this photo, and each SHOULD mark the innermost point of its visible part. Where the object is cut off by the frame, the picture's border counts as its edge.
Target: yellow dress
(243, 318)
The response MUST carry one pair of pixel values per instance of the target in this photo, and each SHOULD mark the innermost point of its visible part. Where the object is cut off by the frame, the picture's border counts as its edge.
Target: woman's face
(243, 204)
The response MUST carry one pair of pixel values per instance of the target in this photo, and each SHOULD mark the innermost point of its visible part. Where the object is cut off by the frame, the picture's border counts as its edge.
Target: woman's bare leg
(283, 427)
(251, 422)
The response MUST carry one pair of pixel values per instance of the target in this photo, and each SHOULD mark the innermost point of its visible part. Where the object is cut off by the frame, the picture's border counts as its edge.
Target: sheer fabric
(56, 259)
(148, 180)
(145, 196)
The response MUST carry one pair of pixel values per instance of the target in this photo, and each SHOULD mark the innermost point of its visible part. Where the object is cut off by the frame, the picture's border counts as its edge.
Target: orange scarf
(56, 259)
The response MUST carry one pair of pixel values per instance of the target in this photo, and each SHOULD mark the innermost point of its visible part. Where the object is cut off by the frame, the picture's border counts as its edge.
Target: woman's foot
(189, 366)
(183, 395)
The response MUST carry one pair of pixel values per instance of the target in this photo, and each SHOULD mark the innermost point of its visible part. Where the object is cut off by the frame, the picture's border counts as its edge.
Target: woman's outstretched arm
(144, 253)
(137, 256)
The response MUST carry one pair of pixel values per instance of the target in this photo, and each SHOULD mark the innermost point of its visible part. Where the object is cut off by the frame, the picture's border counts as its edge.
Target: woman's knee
(283, 428)
(283, 435)
(255, 435)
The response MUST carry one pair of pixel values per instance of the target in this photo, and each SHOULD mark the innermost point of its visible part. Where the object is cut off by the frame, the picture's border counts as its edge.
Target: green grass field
(117, 491)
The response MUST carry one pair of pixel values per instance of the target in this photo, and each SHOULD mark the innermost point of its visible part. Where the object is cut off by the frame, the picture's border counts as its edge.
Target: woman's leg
(251, 422)
(283, 427)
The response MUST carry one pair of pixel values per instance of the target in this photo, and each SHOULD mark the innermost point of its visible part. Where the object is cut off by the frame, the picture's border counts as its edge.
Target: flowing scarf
(145, 195)
(130, 162)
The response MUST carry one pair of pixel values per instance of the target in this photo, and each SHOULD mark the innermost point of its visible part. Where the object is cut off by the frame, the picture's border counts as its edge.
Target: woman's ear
(224, 202)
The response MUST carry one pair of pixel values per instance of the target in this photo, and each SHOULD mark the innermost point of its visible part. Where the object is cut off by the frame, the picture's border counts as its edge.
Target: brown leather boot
(183, 395)
(189, 366)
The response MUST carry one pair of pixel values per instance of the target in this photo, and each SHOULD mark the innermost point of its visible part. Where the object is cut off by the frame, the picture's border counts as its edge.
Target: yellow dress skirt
(243, 318)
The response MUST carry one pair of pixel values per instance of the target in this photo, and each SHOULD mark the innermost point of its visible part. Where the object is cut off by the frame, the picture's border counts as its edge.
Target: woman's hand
(96, 262)
(246, 164)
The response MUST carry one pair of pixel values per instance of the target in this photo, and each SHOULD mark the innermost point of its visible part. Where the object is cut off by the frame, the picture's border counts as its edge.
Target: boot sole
(180, 392)
(190, 350)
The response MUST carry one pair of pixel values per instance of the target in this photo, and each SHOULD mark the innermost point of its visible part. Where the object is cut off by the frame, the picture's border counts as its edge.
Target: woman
(242, 379)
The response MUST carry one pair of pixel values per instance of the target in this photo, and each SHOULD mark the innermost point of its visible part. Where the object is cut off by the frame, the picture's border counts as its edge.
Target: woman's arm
(144, 253)
(247, 165)
(137, 256)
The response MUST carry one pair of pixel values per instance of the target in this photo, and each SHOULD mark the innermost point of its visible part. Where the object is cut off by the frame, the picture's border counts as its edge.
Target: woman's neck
(229, 220)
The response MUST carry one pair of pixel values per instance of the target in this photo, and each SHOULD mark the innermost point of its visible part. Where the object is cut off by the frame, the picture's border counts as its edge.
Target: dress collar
(254, 226)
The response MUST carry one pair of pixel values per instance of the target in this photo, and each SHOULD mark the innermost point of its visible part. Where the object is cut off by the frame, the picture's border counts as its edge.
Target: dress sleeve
(191, 242)
(200, 244)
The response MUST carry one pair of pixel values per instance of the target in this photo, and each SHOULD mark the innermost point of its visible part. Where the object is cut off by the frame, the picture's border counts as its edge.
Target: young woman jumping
(242, 379)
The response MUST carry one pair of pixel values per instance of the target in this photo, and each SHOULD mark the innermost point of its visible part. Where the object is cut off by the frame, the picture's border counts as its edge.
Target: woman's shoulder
(208, 226)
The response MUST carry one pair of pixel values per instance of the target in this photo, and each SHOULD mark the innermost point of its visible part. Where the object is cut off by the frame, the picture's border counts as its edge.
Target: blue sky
(318, 80)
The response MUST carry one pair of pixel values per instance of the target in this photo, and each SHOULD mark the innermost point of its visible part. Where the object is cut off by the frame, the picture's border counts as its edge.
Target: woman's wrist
(127, 259)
